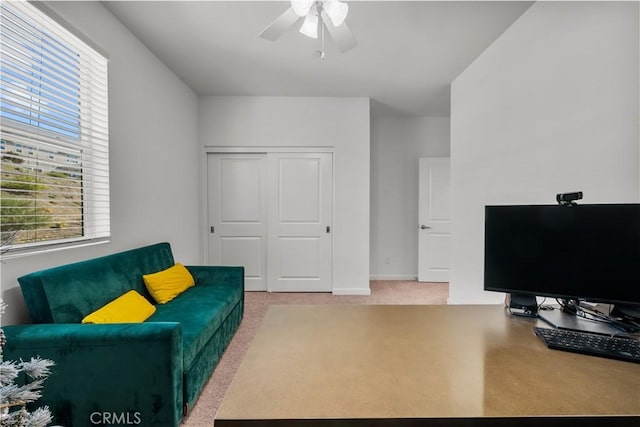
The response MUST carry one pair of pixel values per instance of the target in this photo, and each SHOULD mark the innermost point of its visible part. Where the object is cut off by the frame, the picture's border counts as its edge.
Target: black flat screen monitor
(586, 252)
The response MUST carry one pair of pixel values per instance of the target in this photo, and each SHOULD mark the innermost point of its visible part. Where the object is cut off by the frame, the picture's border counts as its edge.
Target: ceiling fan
(317, 15)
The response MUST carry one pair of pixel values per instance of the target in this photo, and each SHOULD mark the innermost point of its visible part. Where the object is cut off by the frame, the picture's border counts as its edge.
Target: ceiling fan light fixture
(310, 26)
(301, 7)
(336, 10)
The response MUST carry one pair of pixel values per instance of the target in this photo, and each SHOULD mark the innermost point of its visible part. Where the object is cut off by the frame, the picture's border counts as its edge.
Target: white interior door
(434, 218)
(300, 219)
(237, 210)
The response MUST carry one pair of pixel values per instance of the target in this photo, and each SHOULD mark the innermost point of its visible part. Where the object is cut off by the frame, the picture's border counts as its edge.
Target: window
(54, 163)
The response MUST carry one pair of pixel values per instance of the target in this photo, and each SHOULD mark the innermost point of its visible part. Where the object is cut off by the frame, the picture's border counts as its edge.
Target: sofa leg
(185, 410)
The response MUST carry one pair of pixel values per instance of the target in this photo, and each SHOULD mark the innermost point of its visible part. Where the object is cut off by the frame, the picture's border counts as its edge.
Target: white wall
(551, 106)
(341, 123)
(154, 155)
(397, 143)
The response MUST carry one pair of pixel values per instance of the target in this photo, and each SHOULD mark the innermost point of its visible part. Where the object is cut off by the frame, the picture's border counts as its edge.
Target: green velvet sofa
(147, 373)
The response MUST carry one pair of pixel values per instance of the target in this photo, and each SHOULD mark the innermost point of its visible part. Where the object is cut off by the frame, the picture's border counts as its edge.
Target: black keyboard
(627, 349)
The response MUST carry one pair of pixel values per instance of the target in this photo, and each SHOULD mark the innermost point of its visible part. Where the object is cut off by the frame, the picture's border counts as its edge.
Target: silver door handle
(424, 227)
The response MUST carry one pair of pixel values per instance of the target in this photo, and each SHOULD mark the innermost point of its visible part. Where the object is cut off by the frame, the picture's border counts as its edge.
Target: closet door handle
(328, 229)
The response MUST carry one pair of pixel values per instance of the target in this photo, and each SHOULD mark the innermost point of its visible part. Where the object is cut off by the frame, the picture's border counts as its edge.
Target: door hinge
(213, 229)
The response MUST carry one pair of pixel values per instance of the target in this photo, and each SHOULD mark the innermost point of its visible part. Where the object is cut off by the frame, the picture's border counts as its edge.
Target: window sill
(52, 247)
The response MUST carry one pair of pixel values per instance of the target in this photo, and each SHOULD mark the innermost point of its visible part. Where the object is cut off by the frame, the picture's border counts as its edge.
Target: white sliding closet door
(300, 220)
(237, 209)
(272, 214)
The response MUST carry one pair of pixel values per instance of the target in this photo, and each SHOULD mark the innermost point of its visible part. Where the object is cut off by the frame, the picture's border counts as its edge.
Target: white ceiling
(407, 55)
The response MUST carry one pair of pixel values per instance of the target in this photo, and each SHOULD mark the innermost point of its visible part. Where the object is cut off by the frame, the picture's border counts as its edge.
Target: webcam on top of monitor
(568, 199)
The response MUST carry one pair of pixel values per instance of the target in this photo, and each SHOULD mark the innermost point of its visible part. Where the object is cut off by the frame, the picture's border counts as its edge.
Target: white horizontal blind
(54, 135)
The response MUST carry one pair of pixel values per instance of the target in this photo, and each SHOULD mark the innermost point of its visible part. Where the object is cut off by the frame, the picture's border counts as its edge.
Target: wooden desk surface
(418, 362)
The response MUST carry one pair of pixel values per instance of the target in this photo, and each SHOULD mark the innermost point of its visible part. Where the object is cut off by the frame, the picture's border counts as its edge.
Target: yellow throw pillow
(168, 284)
(128, 308)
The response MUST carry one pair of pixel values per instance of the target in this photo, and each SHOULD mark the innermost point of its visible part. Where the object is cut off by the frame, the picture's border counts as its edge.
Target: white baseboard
(393, 277)
(351, 291)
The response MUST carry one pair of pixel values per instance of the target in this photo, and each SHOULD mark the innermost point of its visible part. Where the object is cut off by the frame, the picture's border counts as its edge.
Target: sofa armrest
(131, 373)
(214, 274)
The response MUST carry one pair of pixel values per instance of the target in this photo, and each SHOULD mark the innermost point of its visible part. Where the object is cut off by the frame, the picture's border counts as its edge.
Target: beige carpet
(256, 305)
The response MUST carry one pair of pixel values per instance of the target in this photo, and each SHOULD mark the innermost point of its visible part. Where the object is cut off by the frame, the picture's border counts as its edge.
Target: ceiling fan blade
(281, 24)
(341, 35)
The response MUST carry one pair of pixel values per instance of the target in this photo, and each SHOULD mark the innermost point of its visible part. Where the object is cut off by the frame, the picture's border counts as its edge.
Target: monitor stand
(630, 312)
(561, 320)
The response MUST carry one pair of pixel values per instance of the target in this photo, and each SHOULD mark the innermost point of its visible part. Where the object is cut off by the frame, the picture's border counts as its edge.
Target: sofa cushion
(128, 308)
(200, 310)
(66, 294)
(167, 284)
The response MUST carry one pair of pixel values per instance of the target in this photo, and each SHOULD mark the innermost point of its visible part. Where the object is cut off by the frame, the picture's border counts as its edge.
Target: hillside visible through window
(41, 194)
